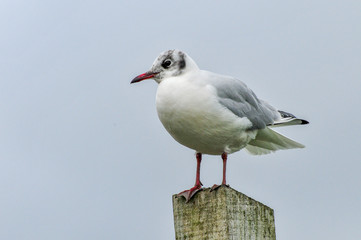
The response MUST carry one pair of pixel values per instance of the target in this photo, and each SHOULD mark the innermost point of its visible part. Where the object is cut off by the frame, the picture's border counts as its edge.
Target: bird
(214, 114)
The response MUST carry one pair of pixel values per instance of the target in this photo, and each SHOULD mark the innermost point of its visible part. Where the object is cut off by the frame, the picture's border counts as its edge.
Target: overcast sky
(84, 156)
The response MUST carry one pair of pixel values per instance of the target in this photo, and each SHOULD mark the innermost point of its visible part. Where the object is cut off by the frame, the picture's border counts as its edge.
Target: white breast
(190, 112)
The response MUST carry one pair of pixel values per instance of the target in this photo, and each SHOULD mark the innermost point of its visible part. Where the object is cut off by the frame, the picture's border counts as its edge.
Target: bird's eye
(166, 63)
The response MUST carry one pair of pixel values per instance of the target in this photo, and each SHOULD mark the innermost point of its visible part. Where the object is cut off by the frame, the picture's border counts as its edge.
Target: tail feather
(268, 141)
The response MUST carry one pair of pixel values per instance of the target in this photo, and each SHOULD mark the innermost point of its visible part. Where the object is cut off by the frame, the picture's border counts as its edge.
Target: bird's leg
(224, 158)
(188, 194)
(224, 183)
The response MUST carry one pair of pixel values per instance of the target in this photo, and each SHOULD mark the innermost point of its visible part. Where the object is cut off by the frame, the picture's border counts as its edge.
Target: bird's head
(171, 63)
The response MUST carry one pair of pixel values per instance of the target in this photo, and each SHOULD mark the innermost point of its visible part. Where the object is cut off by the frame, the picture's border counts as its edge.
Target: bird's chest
(184, 108)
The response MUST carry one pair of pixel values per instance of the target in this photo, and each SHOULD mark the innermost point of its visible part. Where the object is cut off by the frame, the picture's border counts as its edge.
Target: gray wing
(239, 99)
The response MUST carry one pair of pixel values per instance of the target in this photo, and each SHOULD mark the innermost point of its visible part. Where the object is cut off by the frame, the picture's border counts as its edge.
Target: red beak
(144, 76)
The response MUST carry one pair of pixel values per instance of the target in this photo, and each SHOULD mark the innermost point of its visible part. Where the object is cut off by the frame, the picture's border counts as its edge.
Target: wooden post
(222, 214)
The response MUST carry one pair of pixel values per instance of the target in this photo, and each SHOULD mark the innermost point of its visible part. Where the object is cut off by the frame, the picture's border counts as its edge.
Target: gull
(214, 114)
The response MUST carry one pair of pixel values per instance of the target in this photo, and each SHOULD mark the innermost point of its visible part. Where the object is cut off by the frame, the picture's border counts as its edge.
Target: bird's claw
(215, 186)
(188, 194)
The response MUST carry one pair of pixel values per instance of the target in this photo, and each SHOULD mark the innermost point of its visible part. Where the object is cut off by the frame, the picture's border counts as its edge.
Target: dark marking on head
(167, 54)
(182, 62)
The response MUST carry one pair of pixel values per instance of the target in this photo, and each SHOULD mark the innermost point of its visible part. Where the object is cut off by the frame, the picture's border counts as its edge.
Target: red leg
(224, 158)
(224, 182)
(188, 194)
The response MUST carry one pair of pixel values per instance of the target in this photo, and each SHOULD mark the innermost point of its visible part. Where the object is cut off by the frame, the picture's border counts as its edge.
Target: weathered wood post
(222, 214)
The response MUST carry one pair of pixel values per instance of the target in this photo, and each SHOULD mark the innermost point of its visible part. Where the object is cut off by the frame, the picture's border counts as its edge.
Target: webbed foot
(188, 194)
(215, 186)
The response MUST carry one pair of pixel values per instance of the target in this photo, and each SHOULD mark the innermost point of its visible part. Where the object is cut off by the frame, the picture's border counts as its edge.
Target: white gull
(214, 114)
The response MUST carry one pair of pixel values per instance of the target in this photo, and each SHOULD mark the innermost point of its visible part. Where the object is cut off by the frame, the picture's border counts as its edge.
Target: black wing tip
(304, 122)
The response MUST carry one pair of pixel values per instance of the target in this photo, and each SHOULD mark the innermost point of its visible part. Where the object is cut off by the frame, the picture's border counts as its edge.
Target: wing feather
(234, 95)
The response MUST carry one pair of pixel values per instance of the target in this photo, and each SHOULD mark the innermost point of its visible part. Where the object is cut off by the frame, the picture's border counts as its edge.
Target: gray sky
(84, 156)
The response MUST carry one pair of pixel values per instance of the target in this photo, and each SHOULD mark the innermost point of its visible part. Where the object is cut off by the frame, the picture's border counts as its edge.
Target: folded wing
(234, 95)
